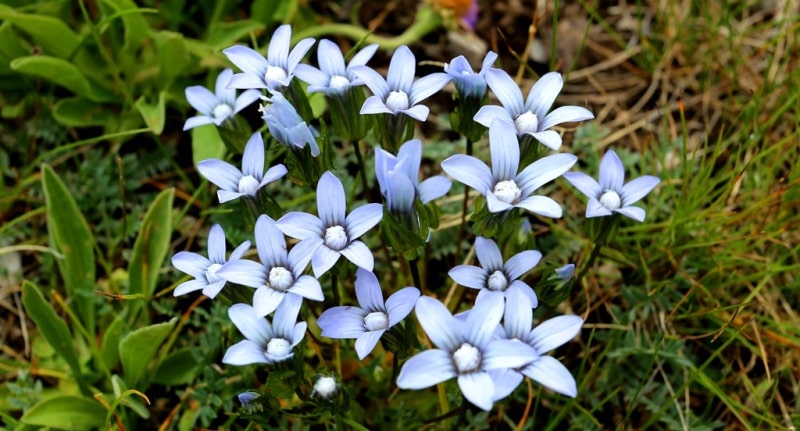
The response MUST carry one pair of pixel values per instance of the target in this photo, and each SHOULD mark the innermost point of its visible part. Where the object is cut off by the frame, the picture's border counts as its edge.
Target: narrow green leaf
(10, 48)
(56, 70)
(152, 244)
(109, 350)
(52, 328)
(68, 412)
(70, 235)
(136, 27)
(206, 143)
(154, 115)
(81, 112)
(173, 57)
(138, 348)
(50, 33)
(222, 34)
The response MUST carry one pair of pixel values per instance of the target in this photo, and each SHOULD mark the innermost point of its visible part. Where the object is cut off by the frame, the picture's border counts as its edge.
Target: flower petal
(478, 389)
(554, 332)
(216, 244)
(565, 114)
(368, 291)
(221, 174)
(375, 105)
(521, 263)
(255, 328)
(484, 318)
(470, 171)
(552, 374)
(518, 318)
(433, 188)
(362, 57)
(283, 323)
(246, 99)
(362, 219)
(197, 121)
(400, 304)
(244, 272)
(469, 276)
(441, 327)
(549, 138)
(637, 189)
(373, 80)
(501, 353)
(584, 183)
(253, 156)
(189, 286)
(544, 93)
(595, 209)
(543, 171)
(342, 322)
(488, 113)
(612, 172)
(402, 68)
(541, 205)
(248, 60)
(330, 58)
(417, 112)
(201, 99)
(298, 52)
(505, 382)
(488, 254)
(273, 173)
(266, 300)
(506, 90)
(278, 50)
(359, 254)
(323, 260)
(504, 147)
(331, 200)
(191, 263)
(427, 86)
(270, 243)
(244, 352)
(426, 369)
(308, 287)
(213, 289)
(633, 212)
(300, 225)
(366, 342)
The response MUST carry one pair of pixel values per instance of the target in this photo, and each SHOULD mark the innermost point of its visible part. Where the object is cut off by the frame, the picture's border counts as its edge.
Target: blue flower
(398, 178)
(234, 183)
(530, 117)
(265, 343)
(464, 350)
(216, 108)
(333, 234)
(368, 322)
(399, 93)
(503, 187)
(204, 270)
(467, 82)
(279, 274)
(495, 277)
(273, 72)
(286, 125)
(610, 195)
(566, 272)
(332, 77)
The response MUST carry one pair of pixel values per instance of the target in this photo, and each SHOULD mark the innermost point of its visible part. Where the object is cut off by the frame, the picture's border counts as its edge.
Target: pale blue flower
(279, 274)
(399, 93)
(530, 117)
(204, 270)
(265, 343)
(464, 350)
(496, 277)
(502, 186)
(234, 183)
(610, 195)
(368, 322)
(286, 125)
(467, 82)
(333, 77)
(333, 233)
(218, 107)
(398, 178)
(273, 72)
(566, 272)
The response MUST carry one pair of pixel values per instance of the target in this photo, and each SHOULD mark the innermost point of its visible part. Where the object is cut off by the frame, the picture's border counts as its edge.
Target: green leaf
(134, 404)
(81, 112)
(68, 412)
(154, 115)
(206, 143)
(179, 368)
(54, 69)
(49, 33)
(52, 328)
(70, 235)
(109, 350)
(151, 245)
(136, 27)
(10, 48)
(173, 57)
(138, 348)
(225, 34)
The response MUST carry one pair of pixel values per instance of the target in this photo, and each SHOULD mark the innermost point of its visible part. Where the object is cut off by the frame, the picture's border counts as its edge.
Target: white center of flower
(338, 82)
(275, 76)
(497, 281)
(467, 358)
(376, 321)
(279, 348)
(527, 122)
(397, 101)
(335, 237)
(507, 191)
(280, 278)
(325, 386)
(211, 273)
(222, 111)
(610, 199)
(248, 185)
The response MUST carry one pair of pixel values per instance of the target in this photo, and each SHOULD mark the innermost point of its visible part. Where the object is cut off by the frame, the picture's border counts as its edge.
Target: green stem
(464, 208)
(607, 227)
(362, 168)
(412, 265)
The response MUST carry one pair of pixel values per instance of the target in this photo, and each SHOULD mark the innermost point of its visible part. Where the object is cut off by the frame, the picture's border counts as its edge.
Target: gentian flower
(368, 322)
(234, 183)
(265, 343)
(610, 195)
(399, 93)
(279, 274)
(286, 125)
(333, 234)
(495, 277)
(467, 82)
(466, 351)
(216, 108)
(274, 72)
(398, 178)
(332, 77)
(204, 270)
(544, 337)
(530, 117)
(503, 187)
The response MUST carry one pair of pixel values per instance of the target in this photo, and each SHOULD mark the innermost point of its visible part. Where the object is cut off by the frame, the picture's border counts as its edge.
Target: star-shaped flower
(467, 82)
(333, 77)
(398, 177)
(286, 125)
(204, 270)
(216, 108)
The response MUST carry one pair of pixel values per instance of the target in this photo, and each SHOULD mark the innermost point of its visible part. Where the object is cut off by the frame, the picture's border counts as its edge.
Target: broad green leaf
(52, 328)
(151, 245)
(54, 69)
(222, 35)
(179, 368)
(10, 48)
(70, 235)
(50, 33)
(173, 57)
(81, 112)
(109, 350)
(154, 115)
(136, 27)
(206, 143)
(68, 412)
(137, 349)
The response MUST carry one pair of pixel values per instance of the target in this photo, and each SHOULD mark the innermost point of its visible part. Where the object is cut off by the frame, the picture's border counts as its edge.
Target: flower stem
(363, 169)
(464, 208)
(607, 227)
(412, 265)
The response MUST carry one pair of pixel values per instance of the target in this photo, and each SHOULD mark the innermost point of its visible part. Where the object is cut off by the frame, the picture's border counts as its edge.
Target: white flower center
(397, 101)
(248, 185)
(507, 191)
(275, 76)
(497, 281)
(325, 387)
(211, 273)
(222, 111)
(335, 237)
(610, 199)
(527, 123)
(280, 278)
(338, 82)
(279, 348)
(376, 321)
(467, 358)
